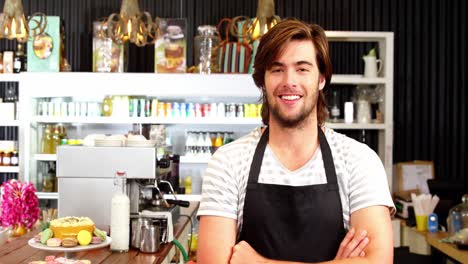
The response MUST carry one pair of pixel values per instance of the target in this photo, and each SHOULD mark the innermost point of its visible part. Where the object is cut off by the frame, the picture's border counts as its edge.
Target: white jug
(372, 66)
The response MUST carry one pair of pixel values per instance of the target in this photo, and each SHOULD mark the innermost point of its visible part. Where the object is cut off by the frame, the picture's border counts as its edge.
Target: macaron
(69, 242)
(84, 237)
(96, 240)
(54, 242)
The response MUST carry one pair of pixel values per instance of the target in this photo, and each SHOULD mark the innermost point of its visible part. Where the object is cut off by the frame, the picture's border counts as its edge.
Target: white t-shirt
(360, 174)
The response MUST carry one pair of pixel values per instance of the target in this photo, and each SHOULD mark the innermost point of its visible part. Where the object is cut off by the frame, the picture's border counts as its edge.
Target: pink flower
(20, 205)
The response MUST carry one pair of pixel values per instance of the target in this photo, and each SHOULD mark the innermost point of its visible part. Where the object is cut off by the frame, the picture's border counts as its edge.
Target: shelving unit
(232, 88)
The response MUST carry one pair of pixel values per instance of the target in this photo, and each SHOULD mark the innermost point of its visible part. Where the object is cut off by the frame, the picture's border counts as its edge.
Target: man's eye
(275, 70)
(303, 70)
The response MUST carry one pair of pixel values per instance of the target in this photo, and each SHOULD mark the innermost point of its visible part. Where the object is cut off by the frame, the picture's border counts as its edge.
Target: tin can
(183, 109)
(259, 110)
(213, 110)
(134, 107)
(221, 110)
(198, 112)
(175, 109)
(141, 106)
(71, 109)
(190, 110)
(154, 107)
(206, 110)
(231, 110)
(253, 110)
(168, 109)
(83, 109)
(43, 109)
(147, 107)
(239, 110)
(161, 107)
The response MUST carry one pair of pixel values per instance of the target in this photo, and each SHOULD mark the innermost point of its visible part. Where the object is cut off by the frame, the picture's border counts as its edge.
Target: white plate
(40, 246)
(141, 143)
(108, 143)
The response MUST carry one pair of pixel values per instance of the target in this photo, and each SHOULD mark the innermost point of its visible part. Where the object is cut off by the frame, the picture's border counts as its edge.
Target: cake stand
(68, 252)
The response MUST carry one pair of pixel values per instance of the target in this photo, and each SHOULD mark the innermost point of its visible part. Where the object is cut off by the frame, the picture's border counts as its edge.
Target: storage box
(7, 111)
(413, 175)
(44, 51)
(170, 49)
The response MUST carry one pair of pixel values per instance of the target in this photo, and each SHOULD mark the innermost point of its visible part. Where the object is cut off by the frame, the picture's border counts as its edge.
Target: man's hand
(244, 253)
(353, 244)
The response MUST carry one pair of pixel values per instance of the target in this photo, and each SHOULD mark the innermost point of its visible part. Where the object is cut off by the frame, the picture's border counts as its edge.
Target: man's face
(292, 84)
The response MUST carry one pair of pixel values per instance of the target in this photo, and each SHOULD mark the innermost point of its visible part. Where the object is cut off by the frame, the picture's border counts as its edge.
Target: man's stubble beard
(298, 120)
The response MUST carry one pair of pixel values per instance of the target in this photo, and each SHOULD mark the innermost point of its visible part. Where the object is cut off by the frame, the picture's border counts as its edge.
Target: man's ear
(322, 82)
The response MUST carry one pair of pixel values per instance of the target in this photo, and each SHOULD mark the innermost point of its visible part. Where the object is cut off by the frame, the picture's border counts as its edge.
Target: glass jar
(108, 56)
(206, 49)
(170, 56)
(458, 216)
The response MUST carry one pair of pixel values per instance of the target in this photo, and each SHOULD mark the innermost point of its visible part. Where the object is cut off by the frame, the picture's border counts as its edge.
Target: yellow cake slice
(70, 226)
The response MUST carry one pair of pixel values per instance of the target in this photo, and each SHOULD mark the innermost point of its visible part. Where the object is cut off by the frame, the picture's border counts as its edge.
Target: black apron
(293, 223)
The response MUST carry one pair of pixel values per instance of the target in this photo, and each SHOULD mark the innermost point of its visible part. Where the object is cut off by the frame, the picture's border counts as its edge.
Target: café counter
(18, 250)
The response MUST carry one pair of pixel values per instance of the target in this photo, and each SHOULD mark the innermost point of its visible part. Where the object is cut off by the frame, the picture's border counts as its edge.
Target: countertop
(450, 250)
(18, 250)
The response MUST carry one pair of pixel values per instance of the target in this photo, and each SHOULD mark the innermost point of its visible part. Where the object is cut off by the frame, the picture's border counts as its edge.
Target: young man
(287, 192)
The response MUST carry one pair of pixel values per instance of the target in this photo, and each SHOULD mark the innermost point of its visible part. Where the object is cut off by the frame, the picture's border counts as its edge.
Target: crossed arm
(217, 240)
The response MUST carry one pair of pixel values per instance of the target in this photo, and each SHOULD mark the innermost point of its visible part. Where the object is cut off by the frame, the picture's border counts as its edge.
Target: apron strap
(256, 164)
(327, 161)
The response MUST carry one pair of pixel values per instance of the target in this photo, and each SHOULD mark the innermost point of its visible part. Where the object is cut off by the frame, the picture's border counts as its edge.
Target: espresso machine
(86, 186)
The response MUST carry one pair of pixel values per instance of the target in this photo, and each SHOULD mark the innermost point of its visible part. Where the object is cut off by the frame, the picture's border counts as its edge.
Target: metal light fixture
(253, 29)
(131, 25)
(13, 23)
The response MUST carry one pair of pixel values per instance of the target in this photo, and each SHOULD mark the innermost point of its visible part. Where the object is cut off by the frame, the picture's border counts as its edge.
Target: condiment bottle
(14, 158)
(120, 215)
(188, 184)
(107, 106)
(6, 160)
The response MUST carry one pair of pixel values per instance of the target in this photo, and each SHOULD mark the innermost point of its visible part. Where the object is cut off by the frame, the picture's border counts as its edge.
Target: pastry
(46, 235)
(100, 233)
(54, 242)
(84, 237)
(69, 242)
(96, 240)
(70, 226)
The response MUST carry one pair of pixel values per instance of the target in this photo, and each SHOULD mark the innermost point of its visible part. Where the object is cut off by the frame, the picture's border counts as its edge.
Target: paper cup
(421, 223)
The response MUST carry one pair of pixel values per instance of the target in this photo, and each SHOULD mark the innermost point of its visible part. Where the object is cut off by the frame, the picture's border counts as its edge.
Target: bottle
(19, 61)
(335, 109)
(6, 160)
(120, 215)
(1, 62)
(107, 106)
(174, 179)
(46, 142)
(218, 142)
(56, 139)
(206, 49)
(1, 157)
(14, 158)
(188, 184)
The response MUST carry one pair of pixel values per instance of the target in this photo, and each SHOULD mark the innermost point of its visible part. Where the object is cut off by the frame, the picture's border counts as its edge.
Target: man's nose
(290, 78)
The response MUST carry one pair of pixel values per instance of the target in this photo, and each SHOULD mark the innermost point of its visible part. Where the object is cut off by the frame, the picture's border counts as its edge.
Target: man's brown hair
(274, 42)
